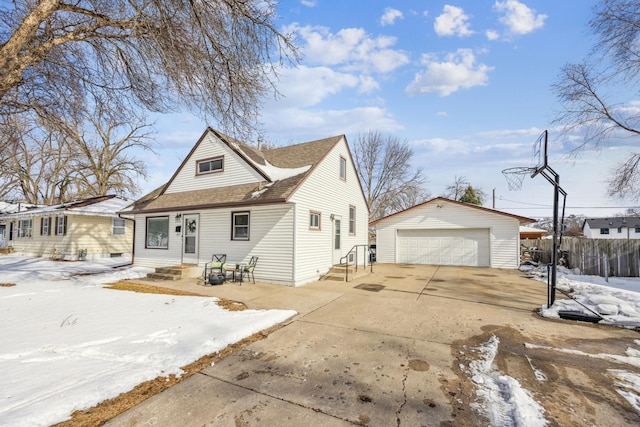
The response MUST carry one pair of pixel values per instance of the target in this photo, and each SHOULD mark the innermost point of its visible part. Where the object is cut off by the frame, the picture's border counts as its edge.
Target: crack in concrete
(404, 397)
(317, 410)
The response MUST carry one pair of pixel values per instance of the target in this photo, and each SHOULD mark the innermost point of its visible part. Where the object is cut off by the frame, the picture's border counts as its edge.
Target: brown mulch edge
(126, 285)
(108, 409)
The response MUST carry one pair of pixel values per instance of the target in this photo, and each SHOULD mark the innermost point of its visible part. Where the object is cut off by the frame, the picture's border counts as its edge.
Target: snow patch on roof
(109, 207)
(278, 174)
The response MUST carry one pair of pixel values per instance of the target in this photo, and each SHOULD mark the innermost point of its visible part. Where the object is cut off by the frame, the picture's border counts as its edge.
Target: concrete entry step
(174, 273)
(339, 272)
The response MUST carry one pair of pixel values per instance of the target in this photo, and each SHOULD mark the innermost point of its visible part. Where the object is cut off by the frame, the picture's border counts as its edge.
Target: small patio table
(236, 271)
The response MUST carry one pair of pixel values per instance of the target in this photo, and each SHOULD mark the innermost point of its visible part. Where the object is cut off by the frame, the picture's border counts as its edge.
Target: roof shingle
(273, 191)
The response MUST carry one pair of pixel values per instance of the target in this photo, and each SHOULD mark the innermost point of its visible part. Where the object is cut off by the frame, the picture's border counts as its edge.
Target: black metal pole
(554, 257)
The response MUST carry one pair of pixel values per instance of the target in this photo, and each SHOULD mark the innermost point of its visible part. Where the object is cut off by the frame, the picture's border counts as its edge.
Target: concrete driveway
(392, 349)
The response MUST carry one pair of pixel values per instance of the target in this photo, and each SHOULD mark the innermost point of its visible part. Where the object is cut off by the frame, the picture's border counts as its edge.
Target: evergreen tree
(470, 196)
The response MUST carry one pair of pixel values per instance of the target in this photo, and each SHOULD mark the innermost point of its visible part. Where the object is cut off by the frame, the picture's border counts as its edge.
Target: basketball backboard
(539, 154)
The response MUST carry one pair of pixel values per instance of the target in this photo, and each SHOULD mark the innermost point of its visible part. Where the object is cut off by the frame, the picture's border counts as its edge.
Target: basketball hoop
(515, 176)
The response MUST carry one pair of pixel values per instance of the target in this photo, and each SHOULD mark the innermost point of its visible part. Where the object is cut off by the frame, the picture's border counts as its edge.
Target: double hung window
(314, 220)
(118, 228)
(240, 226)
(25, 227)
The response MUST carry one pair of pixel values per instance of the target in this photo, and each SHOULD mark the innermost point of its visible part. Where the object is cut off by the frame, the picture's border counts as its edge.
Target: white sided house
(83, 229)
(300, 209)
(612, 228)
(446, 232)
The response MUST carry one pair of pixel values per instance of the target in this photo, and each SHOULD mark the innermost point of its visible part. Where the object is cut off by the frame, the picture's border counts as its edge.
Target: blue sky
(466, 83)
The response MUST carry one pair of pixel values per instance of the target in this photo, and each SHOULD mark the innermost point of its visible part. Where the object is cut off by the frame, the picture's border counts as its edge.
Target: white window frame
(235, 228)
(25, 228)
(352, 220)
(343, 168)
(45, 228)
(61, 228)
(118, 226)
(315, 225)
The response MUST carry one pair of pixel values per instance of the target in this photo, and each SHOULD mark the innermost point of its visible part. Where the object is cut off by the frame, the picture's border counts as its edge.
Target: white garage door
(468, 247)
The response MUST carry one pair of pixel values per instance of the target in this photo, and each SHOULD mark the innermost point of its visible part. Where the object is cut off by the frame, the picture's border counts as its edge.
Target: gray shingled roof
(293, 156)
(614, 222)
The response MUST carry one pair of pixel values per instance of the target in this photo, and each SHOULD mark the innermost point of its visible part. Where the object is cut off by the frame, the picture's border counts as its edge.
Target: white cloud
(306, 123)
(452, 21)
(632, 108)
(390, 15)
(457, 71)
(492, 35)
(367, 84)
(518, 17)
(300, 110)
(350, 48)
(308, 3)
(307, 86)
(440, 145)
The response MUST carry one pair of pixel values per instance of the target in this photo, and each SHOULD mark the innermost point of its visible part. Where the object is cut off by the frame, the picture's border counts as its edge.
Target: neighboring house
(7, 208)
(300, 209)
(84, 229)
(531, 232)
(612, 228)
(446, 232)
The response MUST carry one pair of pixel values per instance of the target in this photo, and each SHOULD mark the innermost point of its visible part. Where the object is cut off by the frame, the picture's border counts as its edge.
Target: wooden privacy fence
(600, 257)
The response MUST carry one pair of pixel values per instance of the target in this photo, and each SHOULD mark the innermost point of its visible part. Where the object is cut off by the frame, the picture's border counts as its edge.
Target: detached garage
(446, 232)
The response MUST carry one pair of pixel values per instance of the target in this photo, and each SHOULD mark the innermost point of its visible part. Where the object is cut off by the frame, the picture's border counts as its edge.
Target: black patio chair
(214, 271)
(248, 269)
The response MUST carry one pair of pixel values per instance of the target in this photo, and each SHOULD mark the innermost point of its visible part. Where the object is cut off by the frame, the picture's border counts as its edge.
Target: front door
(337, 240)
(190, 236)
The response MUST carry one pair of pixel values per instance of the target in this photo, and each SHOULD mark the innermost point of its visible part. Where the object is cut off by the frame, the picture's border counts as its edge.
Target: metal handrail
(346, 260)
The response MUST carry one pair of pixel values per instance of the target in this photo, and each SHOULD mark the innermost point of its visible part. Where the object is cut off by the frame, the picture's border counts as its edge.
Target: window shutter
(41, 225)
(49, 231)
(65, 226)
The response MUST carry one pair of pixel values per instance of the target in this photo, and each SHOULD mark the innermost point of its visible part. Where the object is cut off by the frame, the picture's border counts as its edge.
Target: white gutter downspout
(295, 244)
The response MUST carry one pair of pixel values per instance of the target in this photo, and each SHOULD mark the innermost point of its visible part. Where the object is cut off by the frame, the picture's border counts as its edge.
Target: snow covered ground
(67, 343)
(617, 301)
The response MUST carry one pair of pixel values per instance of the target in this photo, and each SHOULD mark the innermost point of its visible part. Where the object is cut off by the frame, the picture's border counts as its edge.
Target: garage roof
(521, 219)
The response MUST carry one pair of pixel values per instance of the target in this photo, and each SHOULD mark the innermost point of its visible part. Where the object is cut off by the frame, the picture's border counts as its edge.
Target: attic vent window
(211, 165)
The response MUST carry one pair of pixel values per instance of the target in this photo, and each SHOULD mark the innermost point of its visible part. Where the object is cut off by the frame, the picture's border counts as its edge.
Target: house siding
(90, 233)
(503, 231)
(325, 192)
(625, 233)
(270, 239)
(236, 171)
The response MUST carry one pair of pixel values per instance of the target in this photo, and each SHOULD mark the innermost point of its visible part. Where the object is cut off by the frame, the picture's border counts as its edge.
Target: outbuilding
(446, 232)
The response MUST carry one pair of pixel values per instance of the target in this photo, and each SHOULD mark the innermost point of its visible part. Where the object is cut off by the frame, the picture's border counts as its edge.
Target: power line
(539, 206)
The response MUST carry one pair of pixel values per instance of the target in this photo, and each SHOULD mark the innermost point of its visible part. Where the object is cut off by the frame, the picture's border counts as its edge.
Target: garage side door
(467, 247)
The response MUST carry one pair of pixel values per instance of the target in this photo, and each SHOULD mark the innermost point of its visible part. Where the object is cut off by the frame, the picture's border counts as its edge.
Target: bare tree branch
(461, 190)
(384, 169)
(214, 57)
(587, 94)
